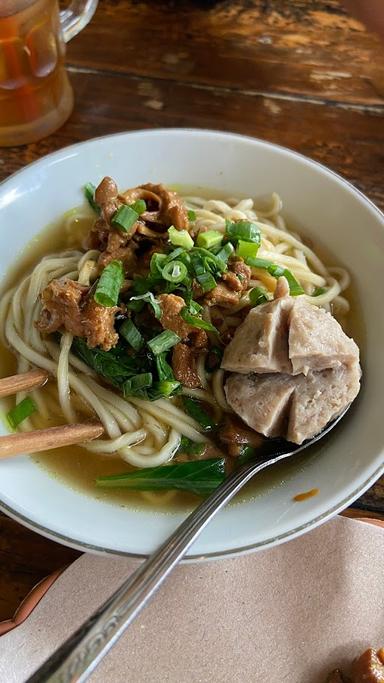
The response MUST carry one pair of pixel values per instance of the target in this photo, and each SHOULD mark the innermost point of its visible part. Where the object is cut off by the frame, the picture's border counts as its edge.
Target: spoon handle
(74, 661)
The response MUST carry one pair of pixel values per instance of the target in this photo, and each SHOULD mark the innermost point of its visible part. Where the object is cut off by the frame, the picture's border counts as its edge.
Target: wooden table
(299, 73)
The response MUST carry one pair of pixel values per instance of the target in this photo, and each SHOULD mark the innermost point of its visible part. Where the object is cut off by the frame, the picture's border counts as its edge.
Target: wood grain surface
(303, 74)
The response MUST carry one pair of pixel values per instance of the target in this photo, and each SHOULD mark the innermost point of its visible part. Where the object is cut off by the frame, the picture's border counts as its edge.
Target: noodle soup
(145, 429)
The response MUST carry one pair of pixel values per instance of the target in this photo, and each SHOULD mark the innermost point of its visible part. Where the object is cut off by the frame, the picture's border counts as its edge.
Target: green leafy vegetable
(21, 411)
(114, 365)
(209, 239)
(247, 452)
(258, 296)
(131, 334)
(124, 218)
(195, 321)
(89, 192)
(135, 385)
(139, 206)
(199, 476)
(319, 291)
(109, 285)
(243, 230)
(189, 447)
(163, 342)
(164, 389)
(180, 238)
(147, 298)
(191, 215)
(194, 409)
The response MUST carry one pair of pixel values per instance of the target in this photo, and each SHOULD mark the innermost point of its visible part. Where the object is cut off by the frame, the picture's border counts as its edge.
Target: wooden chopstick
(45, 439)
(24, 382)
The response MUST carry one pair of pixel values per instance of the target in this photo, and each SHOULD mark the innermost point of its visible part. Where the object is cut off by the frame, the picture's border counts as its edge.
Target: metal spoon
(75, 660)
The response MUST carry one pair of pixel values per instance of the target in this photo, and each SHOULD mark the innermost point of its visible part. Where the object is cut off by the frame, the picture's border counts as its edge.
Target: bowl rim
(274, 540)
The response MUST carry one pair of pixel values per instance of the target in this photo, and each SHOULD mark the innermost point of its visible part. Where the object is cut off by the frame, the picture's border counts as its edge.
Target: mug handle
(76, 17)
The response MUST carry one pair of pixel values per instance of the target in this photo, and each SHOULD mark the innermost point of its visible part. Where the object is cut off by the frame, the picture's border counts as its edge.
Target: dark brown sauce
(79, 468)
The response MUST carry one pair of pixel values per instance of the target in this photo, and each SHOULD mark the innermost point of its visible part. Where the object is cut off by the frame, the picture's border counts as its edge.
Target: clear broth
(79, 468)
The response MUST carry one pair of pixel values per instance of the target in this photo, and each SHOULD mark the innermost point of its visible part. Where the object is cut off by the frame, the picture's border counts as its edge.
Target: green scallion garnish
(147, 298)
(21, 411)
(195, 321)
(258, 296)
(209, 239)
(180, 238)
(131, 334)
(109, 285)
(247, 249)
(243, 230)
(276, 271)
(163, 342)
(225, 252)
(174, 271)
(319, 291)
(124, 218)
(157, 263)
(206, 281)
(139, 206)
(89, 192)
(191, 215)
(136, 384)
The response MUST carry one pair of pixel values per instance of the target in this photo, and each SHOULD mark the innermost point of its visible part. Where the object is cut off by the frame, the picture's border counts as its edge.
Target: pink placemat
(288, 614)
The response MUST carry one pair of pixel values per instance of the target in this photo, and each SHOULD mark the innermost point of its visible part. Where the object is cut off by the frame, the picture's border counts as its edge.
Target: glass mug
(35, 94)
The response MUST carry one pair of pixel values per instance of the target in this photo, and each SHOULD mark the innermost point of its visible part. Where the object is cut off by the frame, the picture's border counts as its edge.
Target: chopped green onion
(225, 252)
(165, 388)
(21, 411)
(196, 322)
(175, 254)
(258, 296)
(190, 447)
(210, 260)
(164, 370)
(180, 238)
(197, 263)
(139, 206)
(277, 271)
(209, 239)
(198, 476)
(206, 281)
(124, 218)
(89, 192)
(194, 409)
(131, 334)
(157, 263)
(109, 285)
(194, 307)
(243, 230)
(147, 298)
(247, 249)
(163, 342)
(259, 263)
(174, 271)
(135, 385)
(191, 215)
(319, 291)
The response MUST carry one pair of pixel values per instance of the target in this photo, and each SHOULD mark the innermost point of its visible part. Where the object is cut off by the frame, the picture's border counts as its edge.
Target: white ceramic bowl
(323, 207)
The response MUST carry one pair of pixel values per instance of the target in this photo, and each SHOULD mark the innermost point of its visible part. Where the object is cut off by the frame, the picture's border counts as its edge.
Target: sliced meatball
(292, 406)
(261, 402)
(319, 398)
(184, 366)
(317, 341)
(260, 343)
